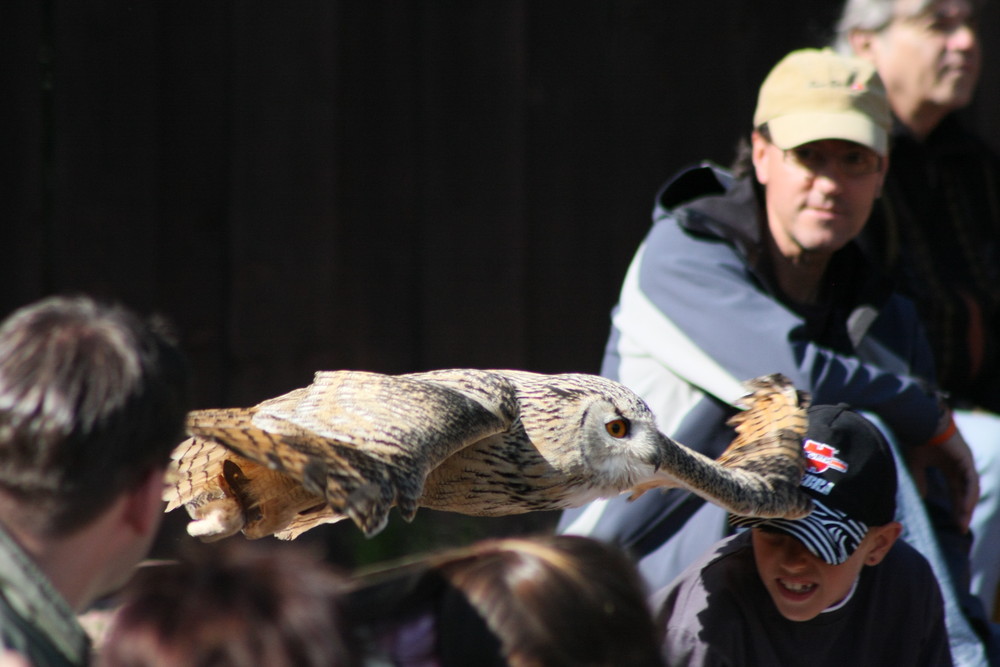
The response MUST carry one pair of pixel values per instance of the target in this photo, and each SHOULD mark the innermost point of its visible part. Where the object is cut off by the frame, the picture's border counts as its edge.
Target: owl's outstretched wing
(760, 471)
(351, 444)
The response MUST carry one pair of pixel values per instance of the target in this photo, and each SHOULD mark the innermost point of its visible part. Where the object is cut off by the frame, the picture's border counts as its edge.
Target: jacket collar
(31, 596)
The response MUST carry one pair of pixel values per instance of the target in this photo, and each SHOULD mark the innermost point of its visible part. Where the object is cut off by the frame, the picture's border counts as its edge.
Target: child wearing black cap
(836, 587)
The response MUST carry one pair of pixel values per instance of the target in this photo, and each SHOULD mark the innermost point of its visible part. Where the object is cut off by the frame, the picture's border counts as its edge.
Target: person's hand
(953, 458)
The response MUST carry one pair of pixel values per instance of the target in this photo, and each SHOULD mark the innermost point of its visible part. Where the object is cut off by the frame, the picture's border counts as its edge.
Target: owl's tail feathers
(225, 493)
(195, 481)
(768, 446)
(287, 480)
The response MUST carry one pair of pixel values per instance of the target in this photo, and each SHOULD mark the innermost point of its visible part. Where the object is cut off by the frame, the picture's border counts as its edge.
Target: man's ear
(144, 503)
(759, 156)
(883, 537)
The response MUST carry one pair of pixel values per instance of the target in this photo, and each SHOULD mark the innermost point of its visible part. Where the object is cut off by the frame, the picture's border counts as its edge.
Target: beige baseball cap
(815, 94)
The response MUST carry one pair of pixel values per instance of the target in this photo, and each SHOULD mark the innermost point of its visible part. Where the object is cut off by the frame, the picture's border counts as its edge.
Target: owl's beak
(659, 458)
(666, 457)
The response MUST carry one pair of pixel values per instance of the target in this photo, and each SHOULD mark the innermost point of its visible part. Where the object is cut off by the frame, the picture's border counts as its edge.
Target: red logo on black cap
(822, 457)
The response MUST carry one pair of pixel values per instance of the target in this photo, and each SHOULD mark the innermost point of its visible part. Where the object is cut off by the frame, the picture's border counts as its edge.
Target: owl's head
(593, 429)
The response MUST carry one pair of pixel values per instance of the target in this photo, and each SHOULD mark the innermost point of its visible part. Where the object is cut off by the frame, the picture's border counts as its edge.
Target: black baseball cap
(851, 476)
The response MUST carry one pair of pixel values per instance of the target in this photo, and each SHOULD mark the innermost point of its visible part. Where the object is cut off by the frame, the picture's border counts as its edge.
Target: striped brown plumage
(355, 444)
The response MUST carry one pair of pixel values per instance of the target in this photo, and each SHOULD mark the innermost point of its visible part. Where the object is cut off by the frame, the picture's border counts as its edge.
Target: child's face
(803, 585)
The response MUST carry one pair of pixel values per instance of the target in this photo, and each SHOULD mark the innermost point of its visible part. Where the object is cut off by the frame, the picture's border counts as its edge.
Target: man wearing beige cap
(754, 271)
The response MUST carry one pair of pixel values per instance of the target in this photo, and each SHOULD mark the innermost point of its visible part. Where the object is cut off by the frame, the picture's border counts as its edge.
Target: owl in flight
(355, 444)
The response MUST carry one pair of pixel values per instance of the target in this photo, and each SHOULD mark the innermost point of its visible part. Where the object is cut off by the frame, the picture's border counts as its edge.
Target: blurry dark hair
(742, 165)
(549, 600)
(92, 399)
(235, 605)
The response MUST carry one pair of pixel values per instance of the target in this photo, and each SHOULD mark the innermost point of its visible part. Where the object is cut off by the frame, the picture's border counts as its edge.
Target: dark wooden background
(381, 185)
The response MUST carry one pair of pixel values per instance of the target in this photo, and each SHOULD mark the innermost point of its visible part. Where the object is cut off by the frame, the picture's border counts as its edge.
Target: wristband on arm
(944, 435)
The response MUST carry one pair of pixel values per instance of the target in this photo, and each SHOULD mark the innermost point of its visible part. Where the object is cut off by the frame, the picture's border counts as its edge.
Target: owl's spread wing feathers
(775, 420)
(355, 444)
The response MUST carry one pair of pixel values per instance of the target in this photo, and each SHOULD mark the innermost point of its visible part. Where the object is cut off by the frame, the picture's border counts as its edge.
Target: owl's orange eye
(617, 428)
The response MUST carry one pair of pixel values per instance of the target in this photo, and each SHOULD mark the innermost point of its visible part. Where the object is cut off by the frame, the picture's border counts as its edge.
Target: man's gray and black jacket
(700, 312)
